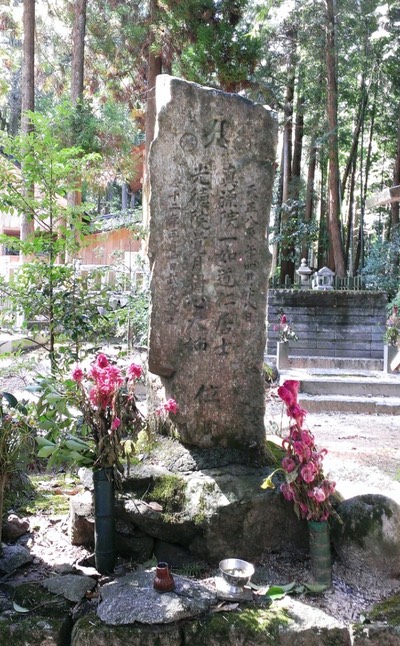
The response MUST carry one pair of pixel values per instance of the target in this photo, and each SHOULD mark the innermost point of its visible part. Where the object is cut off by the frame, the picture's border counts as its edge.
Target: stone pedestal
(282, 355)
(391, 358)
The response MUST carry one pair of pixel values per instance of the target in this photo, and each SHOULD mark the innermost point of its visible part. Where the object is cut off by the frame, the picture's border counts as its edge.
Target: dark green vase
(104, 528)
(320, 552)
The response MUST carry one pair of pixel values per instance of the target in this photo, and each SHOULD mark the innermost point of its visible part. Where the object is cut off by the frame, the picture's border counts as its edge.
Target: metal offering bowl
(236, 572)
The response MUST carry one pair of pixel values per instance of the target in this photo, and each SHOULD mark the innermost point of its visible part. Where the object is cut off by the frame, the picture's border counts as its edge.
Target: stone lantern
(323, 279)
(305, 274)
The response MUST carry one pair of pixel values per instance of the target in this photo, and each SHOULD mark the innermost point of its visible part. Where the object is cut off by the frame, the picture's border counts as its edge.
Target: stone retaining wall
(329, 323)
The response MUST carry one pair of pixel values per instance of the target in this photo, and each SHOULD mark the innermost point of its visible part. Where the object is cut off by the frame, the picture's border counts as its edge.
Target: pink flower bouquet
(305, 483)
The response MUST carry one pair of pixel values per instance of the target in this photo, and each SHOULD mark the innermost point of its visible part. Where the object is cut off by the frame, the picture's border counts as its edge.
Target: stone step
(352, 386)
(355, 391)
(339, 363)
(350, 405)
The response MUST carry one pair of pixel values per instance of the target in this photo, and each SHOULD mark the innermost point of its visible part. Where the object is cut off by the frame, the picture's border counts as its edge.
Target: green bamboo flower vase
(320, 553)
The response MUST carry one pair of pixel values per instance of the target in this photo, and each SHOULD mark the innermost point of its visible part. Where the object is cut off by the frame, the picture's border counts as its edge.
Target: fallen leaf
(314, 587)
(72, 492)
(276, 592)
(20, 609)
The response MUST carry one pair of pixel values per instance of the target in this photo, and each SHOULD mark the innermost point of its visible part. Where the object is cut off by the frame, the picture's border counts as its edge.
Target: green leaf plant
(44, 291)
(16, 440)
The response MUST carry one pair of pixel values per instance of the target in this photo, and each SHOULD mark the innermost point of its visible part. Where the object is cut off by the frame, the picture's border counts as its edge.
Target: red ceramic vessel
(163, 581)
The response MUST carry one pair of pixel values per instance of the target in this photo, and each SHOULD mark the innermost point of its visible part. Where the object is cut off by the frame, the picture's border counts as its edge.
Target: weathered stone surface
(310, 626)
(14, 556)
(133, 599)
(282, 624)
(32, 631)
(72, 587)
(224, 513)
(368, 540)
(81, 519)
(14, 527)
(86, 477)
(132, 543)
(211, 174)
(175, 555)
(90, 630)
(376, 635)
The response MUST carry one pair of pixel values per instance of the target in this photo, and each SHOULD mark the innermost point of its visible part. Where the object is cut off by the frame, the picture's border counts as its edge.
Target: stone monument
(211, 168)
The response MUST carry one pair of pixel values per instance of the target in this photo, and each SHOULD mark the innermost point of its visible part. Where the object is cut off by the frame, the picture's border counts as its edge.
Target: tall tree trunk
(395, 206)
(296, 161)
(335, 239)
(78, 51)
(124, 196)
(323, 237)
(350, 219)
(359, 260)
(356, 136)
(368, 160)
(277, 222)
(364, 187)
(309, 201)
(77, 84)
(297, 148)
(28, 102)
(14, 102)
(287, 264)
(154, 69)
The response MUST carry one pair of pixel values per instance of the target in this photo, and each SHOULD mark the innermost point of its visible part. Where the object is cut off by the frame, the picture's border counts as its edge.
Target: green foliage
(269, 373)
(391, 336)
(392, 331)
(66, 306)
(133, 319)
(57, 301)
(382, 270)
(107, 130)
(54, 170)
(16, 436)
(212, 41)
(64, 437)
(294, 232)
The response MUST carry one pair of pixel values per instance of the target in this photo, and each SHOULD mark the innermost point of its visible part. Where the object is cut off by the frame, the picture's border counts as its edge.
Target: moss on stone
(251, 626)
(387, 610)
(34, 597)
(248, 626)
(34, 630)
(209, 489)
(358, 522)
(169, 491)
(91, 630)
(43, 497)
(19, 492)
(274, 453)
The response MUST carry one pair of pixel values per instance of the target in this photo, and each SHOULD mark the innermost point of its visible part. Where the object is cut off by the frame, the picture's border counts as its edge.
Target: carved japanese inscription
(211, 173)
